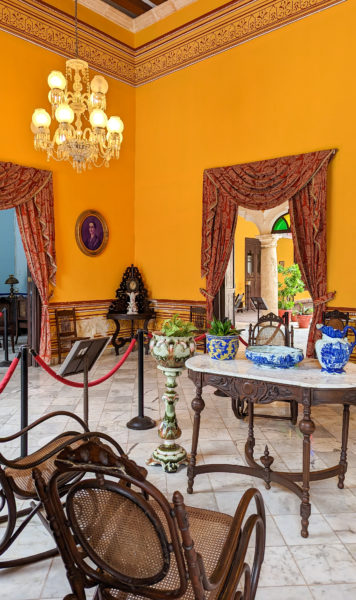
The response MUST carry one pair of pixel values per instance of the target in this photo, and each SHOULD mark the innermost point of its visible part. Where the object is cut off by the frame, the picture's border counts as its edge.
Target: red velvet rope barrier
(92, 383)
(200, 337)
(9, 372)
(242, 341)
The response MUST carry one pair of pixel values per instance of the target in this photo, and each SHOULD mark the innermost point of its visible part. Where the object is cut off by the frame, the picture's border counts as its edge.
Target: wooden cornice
(236, 22)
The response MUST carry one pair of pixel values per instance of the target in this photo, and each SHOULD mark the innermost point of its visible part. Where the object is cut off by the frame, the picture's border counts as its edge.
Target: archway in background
(299, 180)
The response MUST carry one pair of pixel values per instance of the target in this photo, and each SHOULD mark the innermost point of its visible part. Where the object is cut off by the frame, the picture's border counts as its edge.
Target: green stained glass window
(282, 225)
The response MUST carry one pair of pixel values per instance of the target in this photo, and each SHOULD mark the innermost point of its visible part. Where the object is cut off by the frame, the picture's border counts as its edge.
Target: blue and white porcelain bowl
(274, 357)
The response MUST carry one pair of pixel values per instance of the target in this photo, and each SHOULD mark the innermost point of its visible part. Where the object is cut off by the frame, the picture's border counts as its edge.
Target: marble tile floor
(322, 566)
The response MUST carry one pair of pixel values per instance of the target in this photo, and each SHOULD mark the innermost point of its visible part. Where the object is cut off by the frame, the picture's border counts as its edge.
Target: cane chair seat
(200, 520)
(118, 532)
(22, 478)
(270, 336)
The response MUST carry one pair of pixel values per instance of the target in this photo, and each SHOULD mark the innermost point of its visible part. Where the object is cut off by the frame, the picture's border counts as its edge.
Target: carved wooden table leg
(307, 427)
(169, 454)
(198, 406)
(343, 455)
(239, 408)
(250, 444)
(114, 338)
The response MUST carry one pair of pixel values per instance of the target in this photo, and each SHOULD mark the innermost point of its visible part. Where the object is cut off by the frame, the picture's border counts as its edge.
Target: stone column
(269, 273)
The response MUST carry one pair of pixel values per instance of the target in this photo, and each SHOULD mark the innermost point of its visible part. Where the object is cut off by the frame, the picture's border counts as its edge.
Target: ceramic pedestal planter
(171, 354)
(222, 347)
(333, 350)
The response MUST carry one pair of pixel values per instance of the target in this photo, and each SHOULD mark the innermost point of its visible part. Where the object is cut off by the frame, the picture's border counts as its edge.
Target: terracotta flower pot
(304, 321)
(294, 318)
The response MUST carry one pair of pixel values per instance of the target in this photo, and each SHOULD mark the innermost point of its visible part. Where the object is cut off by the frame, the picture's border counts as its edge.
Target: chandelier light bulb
(99, 85)
(41, 118)
(115, 125)
(98, 118)
(64, 114)
(56, 80)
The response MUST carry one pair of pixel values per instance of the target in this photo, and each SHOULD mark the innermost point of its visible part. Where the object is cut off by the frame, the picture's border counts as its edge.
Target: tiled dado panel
(234, 23)
(92, 321)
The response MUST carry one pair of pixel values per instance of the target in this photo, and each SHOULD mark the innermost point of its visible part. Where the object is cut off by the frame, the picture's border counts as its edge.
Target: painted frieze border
(236, 22)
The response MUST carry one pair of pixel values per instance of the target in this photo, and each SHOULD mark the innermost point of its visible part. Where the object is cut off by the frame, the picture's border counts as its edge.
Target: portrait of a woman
(91, 232)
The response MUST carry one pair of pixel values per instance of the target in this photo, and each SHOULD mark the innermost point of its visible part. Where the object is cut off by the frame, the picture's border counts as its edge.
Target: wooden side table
(119, 341)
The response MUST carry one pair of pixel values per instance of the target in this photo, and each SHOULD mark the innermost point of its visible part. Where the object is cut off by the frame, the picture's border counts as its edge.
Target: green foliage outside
(291, 286)
(303, 310)
(176, 327)
(223, 328)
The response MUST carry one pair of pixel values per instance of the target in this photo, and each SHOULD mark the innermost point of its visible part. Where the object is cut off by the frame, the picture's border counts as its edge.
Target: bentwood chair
(198, 317)
(66, 328)
(238, 303)
(11, 325)
(336, 319)
(270, 330)
(16, 481)
(119, 533)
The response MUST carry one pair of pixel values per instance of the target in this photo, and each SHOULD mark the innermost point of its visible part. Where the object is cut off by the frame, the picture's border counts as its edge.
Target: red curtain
(260, 186)
(30, 191)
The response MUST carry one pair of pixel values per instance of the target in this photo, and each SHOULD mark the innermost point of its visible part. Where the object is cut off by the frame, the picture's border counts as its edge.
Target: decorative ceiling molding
(235, 23)
(157, 13)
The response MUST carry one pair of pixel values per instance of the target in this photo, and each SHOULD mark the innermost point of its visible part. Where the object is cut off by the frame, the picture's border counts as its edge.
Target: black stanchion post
(24, 398)
(86, 393)
(6, 362)
(140, 422)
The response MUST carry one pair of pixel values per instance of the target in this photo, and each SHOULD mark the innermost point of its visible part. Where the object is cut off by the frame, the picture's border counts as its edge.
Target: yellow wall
(110, 191)
(287, 92)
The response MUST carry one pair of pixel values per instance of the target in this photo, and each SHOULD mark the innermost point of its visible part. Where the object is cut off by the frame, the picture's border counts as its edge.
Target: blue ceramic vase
(333, 350)
(222, 347)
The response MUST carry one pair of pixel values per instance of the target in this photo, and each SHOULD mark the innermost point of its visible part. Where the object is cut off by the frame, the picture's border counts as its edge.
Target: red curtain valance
(30, 191)
(260, 186)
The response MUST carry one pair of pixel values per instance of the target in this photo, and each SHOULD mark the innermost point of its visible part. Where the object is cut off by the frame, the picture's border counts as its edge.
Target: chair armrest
(236, 545)
(9, 438)
(76, 437)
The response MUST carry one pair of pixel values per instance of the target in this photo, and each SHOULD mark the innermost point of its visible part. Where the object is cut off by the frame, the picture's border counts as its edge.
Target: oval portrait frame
(91, 245)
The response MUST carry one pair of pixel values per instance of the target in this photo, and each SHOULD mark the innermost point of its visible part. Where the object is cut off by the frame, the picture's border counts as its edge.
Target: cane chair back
(271, 330)
(198, 317)
(16, 480)
(336, 319)
(119, 532)
(66, 329)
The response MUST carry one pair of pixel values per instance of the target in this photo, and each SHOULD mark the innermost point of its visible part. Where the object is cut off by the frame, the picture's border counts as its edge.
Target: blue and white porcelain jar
(333, 350)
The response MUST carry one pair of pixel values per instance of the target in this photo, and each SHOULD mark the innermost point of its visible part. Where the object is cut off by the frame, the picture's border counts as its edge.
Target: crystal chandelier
(81, 145)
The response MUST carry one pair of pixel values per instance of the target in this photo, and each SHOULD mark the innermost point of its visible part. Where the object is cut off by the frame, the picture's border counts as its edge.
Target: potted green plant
(174, 344)
(304, 316)
(292, 284)
(222, 340)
